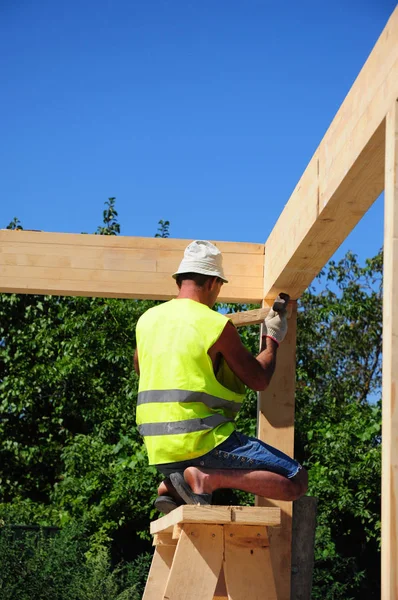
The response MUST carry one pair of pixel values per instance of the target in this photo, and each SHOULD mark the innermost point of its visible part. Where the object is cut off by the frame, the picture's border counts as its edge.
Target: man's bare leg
(261, 483)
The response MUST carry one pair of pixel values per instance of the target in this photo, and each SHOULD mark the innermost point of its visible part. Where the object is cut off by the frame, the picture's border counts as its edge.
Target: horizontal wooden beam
(116, 266)
(343, 179)
(239, 515)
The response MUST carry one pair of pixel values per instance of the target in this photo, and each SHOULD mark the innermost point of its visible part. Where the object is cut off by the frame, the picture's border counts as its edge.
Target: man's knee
(300, 483)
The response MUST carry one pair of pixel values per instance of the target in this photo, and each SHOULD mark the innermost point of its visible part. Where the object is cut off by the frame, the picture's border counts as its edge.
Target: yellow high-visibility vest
(183, 410)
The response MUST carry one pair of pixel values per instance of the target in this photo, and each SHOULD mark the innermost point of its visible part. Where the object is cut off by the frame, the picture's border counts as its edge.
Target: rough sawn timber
(275, 425)
(116, 266)
(241, 515)
(343, 179)
(389, 480)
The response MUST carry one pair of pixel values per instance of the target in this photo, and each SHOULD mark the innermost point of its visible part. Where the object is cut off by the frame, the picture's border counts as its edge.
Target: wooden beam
(276, 427)
(116, 266)
(241, 515)
(248, 317)
(389, 524)
(252, 317)
(343, 179)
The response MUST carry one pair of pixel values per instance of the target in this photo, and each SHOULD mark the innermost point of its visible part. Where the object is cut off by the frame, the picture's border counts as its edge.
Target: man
(193, 368)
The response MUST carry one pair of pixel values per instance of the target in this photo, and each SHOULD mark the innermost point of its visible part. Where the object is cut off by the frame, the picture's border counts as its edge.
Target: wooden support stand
(212, 553)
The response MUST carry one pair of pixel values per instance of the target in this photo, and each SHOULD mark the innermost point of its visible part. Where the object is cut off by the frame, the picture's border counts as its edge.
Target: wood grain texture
(191, 514)
(247, 564)
(248, 317)
(197, 563)
(240, 515)
(253, 317)
(255, 515)
(344, 177)
(389, 524)
(164, 539)
(276, 427)
(116, 267)
(159, 572)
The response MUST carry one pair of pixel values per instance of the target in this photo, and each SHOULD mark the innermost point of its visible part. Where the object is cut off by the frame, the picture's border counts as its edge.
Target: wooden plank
(252, 317)
(164, 539)
(48, 263)
(241, 515)
(125, 259)
(159, 572)
(255, 515)
(344, 177)
(121, 241)
(247, 564)
(197, 563)
(248, 317)
(276, 427)
(248, 536)
(193, 514)
(389, 523)
(149, 291)
(100, 276)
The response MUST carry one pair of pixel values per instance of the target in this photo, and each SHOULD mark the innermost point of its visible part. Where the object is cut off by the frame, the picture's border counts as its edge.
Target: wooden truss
(356, 160)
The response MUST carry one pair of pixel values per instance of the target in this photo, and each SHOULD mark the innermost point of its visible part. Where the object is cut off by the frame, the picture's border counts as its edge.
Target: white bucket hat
(202, 257)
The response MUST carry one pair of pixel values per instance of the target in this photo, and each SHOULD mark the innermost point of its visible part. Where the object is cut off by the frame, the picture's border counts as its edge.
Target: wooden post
(276, 427)
(303, 538)
(389, 525)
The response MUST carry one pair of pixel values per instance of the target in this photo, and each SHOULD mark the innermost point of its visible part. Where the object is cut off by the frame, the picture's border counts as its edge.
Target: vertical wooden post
(276, 427)
(303, 532)
(389, 525)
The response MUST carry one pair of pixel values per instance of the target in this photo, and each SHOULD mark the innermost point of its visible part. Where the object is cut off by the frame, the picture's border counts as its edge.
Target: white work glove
(275, 326)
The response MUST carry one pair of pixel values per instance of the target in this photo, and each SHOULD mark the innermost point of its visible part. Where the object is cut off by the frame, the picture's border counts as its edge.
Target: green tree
(70, 451)
(111, 225)
(163, 229)
(69, 447)
(14, 224)
(338, 423)
(37, 566)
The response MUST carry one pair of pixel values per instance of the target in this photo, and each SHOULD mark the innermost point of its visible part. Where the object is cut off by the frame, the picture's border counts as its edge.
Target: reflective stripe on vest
(178, 427)
(187, 396)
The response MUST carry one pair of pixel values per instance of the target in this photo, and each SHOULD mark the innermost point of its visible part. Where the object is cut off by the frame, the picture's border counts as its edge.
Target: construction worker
(193, 371)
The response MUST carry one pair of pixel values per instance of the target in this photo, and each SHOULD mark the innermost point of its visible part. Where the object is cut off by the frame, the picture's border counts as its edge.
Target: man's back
(183, 411)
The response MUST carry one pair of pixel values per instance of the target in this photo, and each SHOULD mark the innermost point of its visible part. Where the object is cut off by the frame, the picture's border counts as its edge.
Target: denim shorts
(239, 452)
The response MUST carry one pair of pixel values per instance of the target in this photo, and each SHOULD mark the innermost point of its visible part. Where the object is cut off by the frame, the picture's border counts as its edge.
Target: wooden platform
(212, 553)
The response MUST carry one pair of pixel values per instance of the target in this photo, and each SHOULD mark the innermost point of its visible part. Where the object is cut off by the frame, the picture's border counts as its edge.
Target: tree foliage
(163, 229)
(38, 566)
(69, 448)
(109, 215)
(338, 423)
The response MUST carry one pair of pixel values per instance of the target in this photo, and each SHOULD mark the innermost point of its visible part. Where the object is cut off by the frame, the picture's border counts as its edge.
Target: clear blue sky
(204, 113)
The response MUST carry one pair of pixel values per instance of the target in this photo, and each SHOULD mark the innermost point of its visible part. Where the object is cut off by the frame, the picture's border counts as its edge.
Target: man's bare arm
(255, 372)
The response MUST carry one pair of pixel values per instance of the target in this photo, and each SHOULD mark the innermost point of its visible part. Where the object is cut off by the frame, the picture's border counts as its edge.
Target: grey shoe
(165, 504)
